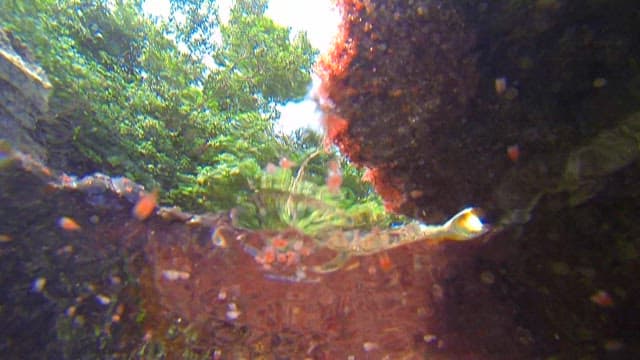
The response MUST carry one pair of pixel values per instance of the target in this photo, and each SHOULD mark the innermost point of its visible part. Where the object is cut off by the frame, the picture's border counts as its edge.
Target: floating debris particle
(217, 354)
(292, 258)
(218, 239)
(148, 335)
(501, 85)
(115, 280)
(487, 277)
(524, 336)
(68, 181)
(145, 205)
(437, 292)
(65, 250)
(39, 284)
(602, 298)
(173, 275)
(286, 163)
(370, 346)
(271, 168)
(232, 311)
(613, 345)
(385, 261)
(279, 243)
(513, 152)
(599, 82)
(68, 224)
(118, 314)
(103, 299)
(71, 311)
(429, 338)
(334, 178)
(94, 219)
(4, 238)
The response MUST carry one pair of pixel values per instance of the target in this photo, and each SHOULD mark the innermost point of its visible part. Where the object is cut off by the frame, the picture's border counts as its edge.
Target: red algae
(388, 187)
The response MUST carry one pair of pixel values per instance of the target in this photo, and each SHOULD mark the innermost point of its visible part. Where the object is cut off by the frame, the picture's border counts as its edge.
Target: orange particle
(117, 316)
(148, 335)
(335, 126)
(334, 181)
(501, 85)
(395, 92)
(513, 152)
(385, 262)
(286, 163)
(271, 168)
(368, 176)
(68, 224)
(145, 205)
(279, 243)
(333, 165)
(602, 298)
(292, 258)
(66, 180)
(269, 255)
(282, 258)
(5, 238)
(305, 251)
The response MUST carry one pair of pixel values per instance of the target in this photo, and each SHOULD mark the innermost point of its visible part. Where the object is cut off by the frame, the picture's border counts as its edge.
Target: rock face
(457, 103)
(24, 92)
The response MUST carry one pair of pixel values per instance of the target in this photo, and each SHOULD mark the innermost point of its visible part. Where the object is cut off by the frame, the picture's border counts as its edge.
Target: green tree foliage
(186, 104)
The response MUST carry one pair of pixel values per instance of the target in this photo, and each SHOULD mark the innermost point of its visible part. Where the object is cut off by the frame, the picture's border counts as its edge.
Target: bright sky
(317, 17)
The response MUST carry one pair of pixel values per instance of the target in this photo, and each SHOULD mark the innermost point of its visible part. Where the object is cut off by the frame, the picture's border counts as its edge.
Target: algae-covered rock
(446, 101)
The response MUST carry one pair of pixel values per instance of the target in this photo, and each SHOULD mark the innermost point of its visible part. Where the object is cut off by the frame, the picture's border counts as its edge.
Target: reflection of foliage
(128, 100)
(287, 199)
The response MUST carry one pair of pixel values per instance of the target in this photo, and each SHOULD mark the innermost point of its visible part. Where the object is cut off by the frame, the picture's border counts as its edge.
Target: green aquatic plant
(288, 198)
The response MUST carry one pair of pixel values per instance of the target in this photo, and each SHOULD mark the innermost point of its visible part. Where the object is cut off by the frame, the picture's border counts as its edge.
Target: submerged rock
(446, 102)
